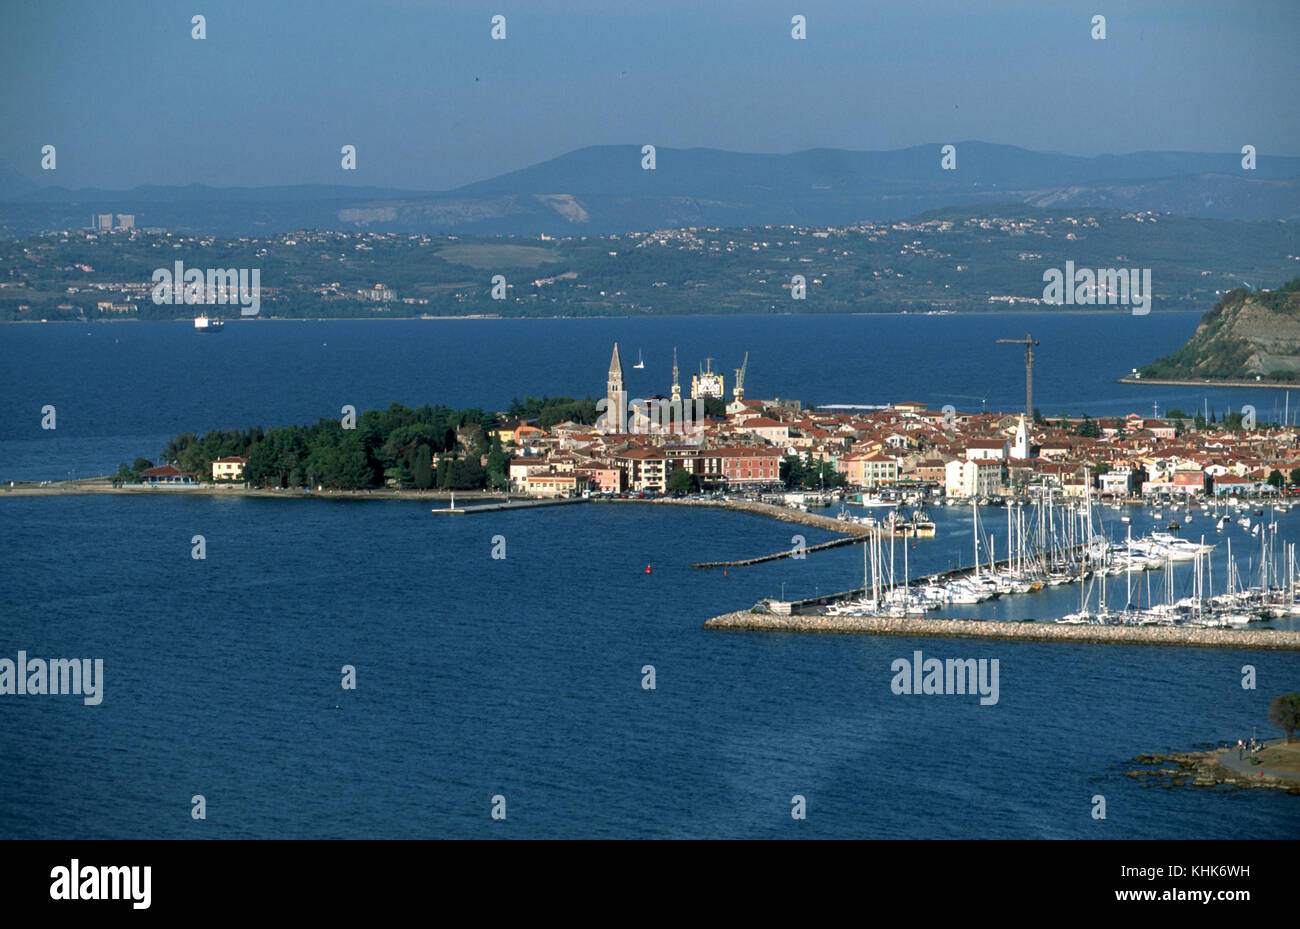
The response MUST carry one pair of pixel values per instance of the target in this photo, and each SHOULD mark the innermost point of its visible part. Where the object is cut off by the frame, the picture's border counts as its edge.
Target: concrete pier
(788, 553)
(512, 505)
(1185, 636)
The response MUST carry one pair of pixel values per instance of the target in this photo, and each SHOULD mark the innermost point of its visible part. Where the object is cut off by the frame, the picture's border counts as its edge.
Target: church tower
(1020, 448)
(615, 395)
(677, 387)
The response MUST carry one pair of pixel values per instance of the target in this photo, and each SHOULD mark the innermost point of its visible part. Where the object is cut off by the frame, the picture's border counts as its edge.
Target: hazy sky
(432, 102)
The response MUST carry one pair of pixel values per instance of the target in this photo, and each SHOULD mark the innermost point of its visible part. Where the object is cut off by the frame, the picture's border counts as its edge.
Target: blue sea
(521, 677)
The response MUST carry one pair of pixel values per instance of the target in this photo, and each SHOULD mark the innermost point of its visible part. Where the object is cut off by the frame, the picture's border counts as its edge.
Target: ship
(206, 324)
(918, 526)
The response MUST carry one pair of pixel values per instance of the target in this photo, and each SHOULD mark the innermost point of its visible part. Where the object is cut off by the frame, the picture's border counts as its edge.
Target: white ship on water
(206, 324)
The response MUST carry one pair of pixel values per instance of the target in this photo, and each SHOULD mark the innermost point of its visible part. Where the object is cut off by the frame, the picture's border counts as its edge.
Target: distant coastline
(661, 316)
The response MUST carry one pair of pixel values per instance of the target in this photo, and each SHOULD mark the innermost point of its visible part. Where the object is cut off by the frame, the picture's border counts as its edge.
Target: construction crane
(1028, 342)
(739, 390)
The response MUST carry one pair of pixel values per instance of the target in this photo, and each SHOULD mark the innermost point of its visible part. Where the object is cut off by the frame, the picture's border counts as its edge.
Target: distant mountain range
(603, 190)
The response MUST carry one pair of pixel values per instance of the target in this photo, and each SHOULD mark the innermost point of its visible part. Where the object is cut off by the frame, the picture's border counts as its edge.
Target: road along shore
(1185, 636)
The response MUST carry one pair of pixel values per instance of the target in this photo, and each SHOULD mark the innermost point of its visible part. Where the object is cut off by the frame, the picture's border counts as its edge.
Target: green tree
(127, 475)
(792, 471)
(498, 466)
(828, 475)
(1088, 428)
(714, 407)
(1284, 714)
(1200, 422)
(1295, 477)
(1275, 478)
(682, 481)
(421, 468)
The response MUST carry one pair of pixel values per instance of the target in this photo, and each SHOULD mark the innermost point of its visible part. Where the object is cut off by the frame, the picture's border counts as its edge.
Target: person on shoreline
(1241, 750)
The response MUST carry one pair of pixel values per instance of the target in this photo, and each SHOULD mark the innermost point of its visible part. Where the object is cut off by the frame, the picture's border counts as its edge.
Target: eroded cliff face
(1273, 334)
(1246, 335)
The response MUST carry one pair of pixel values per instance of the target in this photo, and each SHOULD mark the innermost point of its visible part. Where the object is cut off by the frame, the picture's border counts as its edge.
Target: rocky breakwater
(758, 621)
(1206, 769)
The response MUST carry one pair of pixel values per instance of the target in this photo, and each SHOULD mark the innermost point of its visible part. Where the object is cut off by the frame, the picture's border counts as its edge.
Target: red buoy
(724, 572)
(647, 569)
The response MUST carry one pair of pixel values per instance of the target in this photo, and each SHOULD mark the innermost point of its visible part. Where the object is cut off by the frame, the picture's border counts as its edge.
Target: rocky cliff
(1247, 335)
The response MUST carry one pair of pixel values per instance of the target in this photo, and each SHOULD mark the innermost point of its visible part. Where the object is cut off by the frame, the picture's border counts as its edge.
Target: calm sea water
(522, 677)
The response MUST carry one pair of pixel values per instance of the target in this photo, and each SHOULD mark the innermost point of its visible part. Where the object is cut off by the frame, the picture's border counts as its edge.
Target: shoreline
(1178, 636)
(97, 486)
(1208, 382)
(1211, 769)
(586, 316)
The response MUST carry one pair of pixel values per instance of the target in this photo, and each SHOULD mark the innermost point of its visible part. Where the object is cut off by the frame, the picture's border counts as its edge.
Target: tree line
(429, 447)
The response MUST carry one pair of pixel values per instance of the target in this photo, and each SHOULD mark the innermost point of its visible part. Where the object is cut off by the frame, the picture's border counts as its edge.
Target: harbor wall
(1184, 636)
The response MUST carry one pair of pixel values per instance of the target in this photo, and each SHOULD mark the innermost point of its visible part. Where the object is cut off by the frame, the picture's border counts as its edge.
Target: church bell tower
(615, 395)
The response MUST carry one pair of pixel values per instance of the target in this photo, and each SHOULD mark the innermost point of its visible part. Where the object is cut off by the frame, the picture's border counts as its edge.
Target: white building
(972, 477)
(983, 449)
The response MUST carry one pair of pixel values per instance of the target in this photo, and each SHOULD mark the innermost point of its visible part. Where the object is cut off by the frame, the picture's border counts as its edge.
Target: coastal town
(665, 444)
(903, 446)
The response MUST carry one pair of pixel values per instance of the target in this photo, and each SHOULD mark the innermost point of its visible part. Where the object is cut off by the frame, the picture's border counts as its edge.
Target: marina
(1157, 578)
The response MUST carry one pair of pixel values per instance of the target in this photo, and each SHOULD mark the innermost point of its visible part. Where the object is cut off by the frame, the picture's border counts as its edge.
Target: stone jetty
(786, 553)
(1185, 636)
(783, 513)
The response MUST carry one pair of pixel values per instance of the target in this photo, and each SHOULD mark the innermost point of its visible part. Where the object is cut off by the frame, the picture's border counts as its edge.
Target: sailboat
(639, 362)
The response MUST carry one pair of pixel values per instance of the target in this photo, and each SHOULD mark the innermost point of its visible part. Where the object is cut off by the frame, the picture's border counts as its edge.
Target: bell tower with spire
(615, 395)
(677, 387)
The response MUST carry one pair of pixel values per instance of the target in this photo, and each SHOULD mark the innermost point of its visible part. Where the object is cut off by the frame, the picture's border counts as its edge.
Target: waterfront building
(643, 467)
(750, 467)
(603, 479)
(542, 482)
(868, 470)
(1190, 479)
(166, 474)
(973, 477)
(1119, 481)
(228, 469)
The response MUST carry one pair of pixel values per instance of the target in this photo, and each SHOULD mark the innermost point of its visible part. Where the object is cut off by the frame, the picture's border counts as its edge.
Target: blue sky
(431, 102)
